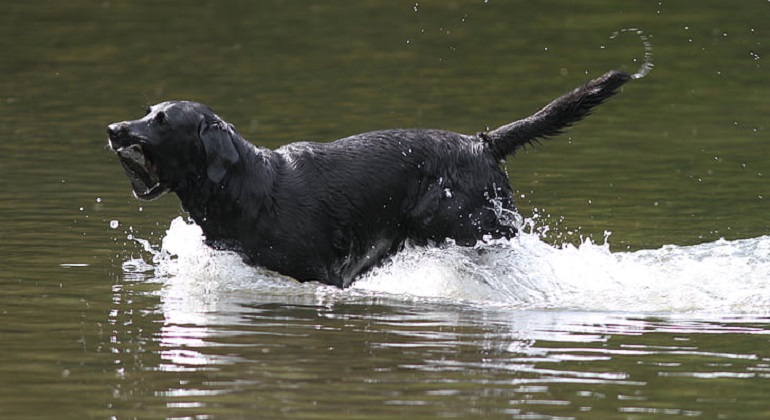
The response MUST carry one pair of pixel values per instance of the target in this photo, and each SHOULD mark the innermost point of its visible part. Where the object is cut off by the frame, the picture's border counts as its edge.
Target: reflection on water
(370, 356)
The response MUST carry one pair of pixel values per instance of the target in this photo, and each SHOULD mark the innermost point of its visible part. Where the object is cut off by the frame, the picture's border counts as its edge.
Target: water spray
(647, 63)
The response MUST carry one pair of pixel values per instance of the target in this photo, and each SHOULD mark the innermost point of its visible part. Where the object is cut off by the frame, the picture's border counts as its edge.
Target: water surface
(638, 291)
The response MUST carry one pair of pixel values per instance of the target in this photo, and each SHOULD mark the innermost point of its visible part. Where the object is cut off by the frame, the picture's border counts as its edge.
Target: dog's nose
(114, 129)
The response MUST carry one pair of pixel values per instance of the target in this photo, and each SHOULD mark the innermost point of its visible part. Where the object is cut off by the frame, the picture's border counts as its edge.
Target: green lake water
(640, 290)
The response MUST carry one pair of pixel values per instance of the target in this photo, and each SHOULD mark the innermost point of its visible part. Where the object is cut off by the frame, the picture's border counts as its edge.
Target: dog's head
(176, 142)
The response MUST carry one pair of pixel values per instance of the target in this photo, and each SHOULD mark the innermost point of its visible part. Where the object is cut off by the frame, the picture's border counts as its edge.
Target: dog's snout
(121, 134)
(115, 129)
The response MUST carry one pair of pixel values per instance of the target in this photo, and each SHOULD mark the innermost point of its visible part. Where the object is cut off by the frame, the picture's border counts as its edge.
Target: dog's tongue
(135, 165)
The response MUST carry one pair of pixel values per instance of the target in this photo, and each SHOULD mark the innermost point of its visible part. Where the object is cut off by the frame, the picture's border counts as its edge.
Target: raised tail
(556, 116)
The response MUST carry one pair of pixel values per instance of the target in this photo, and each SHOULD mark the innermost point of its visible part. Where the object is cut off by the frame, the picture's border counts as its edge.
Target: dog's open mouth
(141, 172)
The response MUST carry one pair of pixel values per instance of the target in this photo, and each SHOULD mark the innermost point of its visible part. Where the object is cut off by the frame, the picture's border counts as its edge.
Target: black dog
(330, 211)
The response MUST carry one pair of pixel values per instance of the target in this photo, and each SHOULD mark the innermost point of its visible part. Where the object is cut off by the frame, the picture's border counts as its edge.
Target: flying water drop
(647, 64)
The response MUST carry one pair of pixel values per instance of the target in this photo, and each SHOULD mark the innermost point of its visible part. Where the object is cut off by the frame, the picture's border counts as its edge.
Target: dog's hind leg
(462, 217)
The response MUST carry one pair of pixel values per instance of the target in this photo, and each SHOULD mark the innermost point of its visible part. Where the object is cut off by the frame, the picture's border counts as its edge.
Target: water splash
(647, 63)
(521, 273)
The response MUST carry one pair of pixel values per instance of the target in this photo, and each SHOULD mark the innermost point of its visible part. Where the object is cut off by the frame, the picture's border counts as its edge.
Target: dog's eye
(160, 117)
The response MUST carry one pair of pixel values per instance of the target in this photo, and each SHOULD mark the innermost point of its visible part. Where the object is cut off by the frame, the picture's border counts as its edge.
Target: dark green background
(679, 157)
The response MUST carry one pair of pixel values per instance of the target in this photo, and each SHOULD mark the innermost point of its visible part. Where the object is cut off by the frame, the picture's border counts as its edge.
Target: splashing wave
(523, 273)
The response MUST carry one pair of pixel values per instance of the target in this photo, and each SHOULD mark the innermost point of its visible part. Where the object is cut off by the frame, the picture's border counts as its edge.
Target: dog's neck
(242, 195)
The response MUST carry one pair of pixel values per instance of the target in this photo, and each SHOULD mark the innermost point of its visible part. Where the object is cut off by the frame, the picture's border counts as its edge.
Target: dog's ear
(217, 138)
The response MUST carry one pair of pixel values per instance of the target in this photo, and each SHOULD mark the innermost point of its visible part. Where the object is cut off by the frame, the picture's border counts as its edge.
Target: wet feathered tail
(556, 116)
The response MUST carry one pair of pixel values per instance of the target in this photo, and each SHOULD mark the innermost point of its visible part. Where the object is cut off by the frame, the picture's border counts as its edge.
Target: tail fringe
(558, 115)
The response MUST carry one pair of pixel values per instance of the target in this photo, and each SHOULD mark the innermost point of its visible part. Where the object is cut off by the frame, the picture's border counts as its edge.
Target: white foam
(524, 272)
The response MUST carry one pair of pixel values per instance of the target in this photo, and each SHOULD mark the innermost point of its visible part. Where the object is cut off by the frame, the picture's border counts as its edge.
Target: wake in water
(523, 273)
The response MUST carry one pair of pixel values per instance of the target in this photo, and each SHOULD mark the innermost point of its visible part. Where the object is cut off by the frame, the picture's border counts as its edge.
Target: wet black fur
(330, 211)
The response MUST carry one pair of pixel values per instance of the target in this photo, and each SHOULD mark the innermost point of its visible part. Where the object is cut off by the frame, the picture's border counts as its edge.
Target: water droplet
(114, 224)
